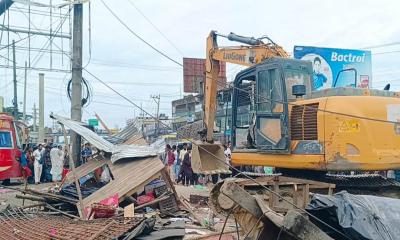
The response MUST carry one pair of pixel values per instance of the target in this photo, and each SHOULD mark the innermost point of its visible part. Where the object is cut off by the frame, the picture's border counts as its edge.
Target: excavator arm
(206, 157)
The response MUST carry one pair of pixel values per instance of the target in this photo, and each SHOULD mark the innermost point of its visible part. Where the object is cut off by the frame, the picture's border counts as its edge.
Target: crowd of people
(178, 160)
(46, 162)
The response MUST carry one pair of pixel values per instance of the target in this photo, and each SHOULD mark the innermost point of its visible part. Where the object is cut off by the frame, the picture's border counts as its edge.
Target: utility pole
(76, 95)
(142, 116)
(156, 99)
(25, 79)
(34, 117)
(41, 108)
(15, 112)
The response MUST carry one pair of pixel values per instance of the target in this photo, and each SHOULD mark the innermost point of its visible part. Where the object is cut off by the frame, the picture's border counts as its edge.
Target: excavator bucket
(208, 158)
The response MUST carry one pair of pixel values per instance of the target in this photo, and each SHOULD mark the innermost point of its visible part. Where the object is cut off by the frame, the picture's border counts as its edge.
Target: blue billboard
(335, 67)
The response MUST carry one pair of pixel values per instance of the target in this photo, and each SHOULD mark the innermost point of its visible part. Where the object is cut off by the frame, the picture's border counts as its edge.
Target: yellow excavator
(291, 126)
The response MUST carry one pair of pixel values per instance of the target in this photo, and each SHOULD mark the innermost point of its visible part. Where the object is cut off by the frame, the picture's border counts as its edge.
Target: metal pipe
(237, 38)
(16, 30)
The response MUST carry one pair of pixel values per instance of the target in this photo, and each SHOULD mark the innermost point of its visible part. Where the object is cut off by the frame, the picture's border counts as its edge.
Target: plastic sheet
(357, 216)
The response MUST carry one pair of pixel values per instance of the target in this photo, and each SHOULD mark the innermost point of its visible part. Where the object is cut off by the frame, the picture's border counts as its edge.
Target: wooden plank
(129, 176)
(282, 180)
(306, 181)
(85, 169)
(167, 179)
(241, 197)
(72, 166)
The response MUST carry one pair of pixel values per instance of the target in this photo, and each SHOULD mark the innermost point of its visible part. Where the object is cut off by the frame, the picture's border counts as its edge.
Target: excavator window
(270, 94)
(295, 77)
(245, 111)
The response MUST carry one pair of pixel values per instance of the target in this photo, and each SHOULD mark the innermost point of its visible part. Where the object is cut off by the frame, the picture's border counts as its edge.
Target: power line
(151, 84)
(155, 27)
(382, 45)
(135, 66)
(140, 38)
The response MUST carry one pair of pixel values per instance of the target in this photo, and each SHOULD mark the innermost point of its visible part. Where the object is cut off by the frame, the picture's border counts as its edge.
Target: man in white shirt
(37, 165)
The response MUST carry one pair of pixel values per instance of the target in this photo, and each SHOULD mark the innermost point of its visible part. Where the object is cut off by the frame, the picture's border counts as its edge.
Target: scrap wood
(72, 166)
(45, 195)
(129, 177)
(29, 197)
(157, 200)
(168, 181)
(187, 205)
(211, 235)
(198, 199)
(33, 205)
(48, 206)
(50, 195)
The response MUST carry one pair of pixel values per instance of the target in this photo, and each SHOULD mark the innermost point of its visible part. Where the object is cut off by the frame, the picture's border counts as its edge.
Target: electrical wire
(382, 45)
(139, 37)
(90, 35)
(156, 28)
(136, 66)
(4, 18)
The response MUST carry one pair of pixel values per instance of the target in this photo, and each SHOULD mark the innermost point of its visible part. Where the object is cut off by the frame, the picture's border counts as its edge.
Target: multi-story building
(186, 110)
(190, 109)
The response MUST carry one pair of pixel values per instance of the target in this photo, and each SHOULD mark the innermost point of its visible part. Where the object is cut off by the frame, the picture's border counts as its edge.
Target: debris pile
(127, 193)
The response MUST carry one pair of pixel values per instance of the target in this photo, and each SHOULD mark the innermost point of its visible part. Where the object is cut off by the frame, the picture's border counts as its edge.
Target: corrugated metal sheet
(194, 74)
(128, 132)
(131, 151)
(118, 151)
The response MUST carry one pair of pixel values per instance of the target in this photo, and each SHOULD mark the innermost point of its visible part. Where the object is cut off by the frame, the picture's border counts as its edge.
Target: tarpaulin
(357, 216)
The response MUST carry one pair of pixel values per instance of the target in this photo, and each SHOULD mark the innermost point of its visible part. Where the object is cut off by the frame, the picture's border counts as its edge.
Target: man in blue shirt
(319, 78)
(86, 153)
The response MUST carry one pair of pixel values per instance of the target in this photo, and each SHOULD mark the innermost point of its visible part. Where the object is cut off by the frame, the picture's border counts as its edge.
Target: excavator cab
(261, 94)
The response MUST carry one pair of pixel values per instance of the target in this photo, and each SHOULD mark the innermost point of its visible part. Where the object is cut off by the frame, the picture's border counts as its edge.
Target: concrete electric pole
(156, 99)
(15, 101)
(25, 79)
(41, 108)
(34, 117)
(76, 91)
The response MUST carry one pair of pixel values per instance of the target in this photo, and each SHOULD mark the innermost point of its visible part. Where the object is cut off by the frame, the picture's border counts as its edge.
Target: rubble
(125, 192)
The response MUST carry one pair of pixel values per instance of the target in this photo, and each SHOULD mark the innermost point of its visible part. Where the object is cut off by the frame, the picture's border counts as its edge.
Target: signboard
(334, 67)
(93, 122)
(194, 75)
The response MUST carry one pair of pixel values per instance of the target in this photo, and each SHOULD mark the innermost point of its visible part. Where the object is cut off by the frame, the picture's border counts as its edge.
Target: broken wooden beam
(242, 198)
(48, 206)
(157, 200)
(301, 227)
(187, 205)
(29, 197)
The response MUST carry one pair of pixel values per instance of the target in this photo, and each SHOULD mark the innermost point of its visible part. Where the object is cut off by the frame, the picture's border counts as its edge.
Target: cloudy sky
(179, 29)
